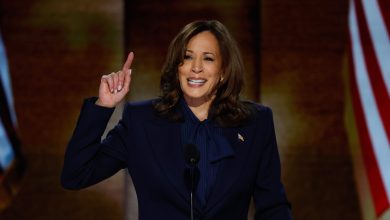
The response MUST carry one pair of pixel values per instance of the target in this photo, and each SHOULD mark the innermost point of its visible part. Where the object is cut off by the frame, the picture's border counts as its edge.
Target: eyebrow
(206, 53)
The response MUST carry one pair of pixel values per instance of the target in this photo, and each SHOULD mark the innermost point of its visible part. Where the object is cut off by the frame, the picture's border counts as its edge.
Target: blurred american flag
(369, 25)
(12, 164)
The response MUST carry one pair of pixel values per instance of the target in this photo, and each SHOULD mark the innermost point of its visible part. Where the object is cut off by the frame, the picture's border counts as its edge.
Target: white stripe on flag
(376, 130)
(4, 75)
(6, 152)
(380, 38)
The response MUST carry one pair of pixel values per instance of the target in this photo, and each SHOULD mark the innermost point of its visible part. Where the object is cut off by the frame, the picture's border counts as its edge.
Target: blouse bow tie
(219, 148)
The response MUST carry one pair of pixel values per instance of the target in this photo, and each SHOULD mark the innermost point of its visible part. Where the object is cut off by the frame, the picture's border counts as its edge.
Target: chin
(197, 97)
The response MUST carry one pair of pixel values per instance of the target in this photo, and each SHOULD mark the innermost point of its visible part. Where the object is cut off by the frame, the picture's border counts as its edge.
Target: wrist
(102, 104)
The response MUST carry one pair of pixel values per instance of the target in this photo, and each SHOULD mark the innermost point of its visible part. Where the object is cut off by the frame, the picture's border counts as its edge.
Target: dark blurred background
(294, 53)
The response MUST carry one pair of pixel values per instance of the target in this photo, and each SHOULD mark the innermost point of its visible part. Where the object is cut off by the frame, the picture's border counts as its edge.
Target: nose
(197, 66)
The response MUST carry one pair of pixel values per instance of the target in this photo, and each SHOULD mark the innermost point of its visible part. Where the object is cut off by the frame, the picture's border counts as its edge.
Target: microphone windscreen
(191, 154)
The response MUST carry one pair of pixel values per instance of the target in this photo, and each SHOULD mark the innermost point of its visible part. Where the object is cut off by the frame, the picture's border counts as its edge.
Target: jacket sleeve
(88, 160)
(269, 195)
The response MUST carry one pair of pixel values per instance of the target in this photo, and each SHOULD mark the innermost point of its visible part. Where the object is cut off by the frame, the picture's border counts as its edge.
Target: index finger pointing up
(128, 62)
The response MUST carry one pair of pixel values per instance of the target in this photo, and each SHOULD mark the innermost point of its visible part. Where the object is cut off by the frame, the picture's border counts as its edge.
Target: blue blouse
(213, 148)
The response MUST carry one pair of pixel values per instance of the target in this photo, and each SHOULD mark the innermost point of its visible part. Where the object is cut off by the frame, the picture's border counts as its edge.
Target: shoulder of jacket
(141, 104)
(140, 107)
(258, 108)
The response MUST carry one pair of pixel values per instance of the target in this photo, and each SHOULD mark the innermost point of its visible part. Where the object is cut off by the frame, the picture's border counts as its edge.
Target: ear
(221, 77)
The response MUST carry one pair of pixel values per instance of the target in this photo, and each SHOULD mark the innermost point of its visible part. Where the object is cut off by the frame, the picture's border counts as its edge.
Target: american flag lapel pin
(240, 137)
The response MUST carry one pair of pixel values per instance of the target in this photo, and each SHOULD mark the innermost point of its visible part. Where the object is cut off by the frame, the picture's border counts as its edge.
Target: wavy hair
(226, 108)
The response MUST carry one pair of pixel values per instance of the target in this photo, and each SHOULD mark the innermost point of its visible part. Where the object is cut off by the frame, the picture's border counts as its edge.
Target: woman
(234, 141)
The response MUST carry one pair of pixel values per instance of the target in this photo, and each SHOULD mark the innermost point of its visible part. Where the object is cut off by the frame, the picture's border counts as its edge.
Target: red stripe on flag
(384, 6)
(377, 187)
(376, 78)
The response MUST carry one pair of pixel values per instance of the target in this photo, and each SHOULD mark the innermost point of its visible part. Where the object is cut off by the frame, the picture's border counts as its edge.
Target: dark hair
(226, 109)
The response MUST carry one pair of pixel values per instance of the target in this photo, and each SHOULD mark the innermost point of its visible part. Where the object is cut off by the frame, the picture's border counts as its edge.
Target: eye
(187, 57)
(209, 59)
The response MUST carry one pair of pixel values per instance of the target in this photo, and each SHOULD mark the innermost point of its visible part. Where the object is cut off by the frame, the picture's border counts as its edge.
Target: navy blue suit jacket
(150, 148)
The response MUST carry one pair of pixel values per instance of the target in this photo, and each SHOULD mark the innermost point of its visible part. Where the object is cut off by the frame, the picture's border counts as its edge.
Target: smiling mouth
(196, 82)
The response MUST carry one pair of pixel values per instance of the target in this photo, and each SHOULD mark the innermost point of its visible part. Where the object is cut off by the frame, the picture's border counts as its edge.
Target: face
(201, 68)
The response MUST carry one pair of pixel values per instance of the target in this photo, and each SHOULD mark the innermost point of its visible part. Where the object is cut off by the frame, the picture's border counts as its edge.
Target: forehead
(205, 42)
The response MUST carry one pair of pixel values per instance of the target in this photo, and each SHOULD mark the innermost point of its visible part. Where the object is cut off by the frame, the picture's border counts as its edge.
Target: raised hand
(113, 87)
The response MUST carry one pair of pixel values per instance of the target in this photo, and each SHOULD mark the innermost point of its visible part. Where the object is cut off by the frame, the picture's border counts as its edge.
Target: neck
(199, 107)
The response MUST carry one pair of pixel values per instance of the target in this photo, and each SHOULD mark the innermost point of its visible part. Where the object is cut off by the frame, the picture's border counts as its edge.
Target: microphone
(192, 157)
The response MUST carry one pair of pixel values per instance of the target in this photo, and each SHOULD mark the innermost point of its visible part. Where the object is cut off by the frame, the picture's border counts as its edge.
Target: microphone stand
(193, 163)
(192, 192)
(192, 157)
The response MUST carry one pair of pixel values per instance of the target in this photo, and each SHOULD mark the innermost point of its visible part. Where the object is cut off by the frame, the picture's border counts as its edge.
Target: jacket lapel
(165, 141)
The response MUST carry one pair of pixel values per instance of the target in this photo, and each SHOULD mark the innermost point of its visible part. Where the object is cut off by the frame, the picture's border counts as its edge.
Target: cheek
(214, 72)
(181, 77)
(182, 70)
(180, 74)
(215, 77)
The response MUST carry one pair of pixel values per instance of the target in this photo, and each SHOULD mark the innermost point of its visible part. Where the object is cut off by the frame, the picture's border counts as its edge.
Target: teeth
(196, 81)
